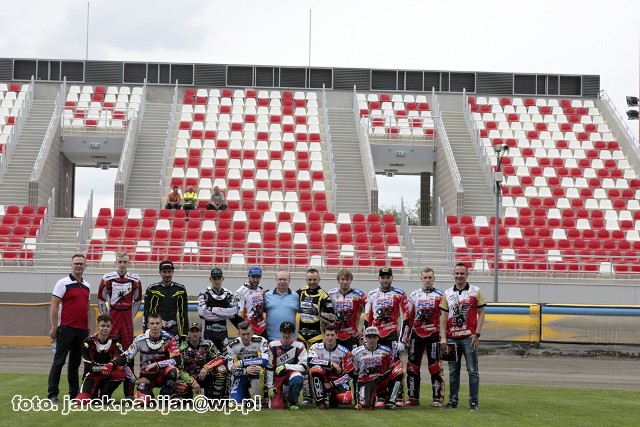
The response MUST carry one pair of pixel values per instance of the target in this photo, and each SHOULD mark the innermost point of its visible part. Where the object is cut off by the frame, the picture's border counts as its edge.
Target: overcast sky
(581, 37)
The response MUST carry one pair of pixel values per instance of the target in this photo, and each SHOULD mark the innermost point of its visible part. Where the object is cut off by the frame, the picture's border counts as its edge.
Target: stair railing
(362, 130)
(327, 134)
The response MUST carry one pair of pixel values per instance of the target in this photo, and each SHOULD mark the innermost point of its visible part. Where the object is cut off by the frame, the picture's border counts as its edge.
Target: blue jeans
(471, 358)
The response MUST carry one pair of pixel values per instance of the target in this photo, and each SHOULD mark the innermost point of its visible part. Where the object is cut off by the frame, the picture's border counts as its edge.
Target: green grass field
(499, 405)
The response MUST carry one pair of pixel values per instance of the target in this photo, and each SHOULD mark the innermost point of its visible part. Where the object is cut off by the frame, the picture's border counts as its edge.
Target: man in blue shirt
(281, 305)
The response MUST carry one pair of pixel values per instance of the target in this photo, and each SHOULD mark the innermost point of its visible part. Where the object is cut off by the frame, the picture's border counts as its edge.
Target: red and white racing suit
(348, 308)
(123, 295)
(422, 330)
(377, 373)
(384, 308)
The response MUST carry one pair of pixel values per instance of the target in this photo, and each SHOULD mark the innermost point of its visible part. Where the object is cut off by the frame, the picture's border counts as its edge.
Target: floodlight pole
(501, 150)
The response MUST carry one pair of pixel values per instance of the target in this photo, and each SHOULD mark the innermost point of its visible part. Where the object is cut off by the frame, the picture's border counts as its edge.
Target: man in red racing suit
(101, 377)
(376, 371)
(122, 291)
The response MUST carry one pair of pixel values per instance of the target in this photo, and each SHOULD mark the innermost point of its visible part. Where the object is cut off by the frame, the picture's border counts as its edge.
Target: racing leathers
(348, 308)
(250, 302)
(254, 354)
(215, 307)
(101, 377)
(422, 332)
(315, 308)
(171, 303)
(376, 373)
(203, 356)
(123, 295)
(384, 308)
(329, 370)
(164, 352)
(286, 366)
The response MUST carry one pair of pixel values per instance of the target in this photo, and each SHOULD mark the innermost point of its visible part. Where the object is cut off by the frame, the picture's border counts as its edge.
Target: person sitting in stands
(217, 201)
(173, 199)
(190, 199)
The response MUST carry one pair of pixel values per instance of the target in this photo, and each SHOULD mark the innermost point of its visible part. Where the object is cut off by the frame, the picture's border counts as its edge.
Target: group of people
(189, 201)
(288, 342)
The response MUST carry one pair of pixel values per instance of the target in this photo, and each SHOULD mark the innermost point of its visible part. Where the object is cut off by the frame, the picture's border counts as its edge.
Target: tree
(413, 213)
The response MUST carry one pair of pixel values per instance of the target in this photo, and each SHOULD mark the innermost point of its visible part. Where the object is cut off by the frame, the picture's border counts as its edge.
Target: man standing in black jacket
(168, 299)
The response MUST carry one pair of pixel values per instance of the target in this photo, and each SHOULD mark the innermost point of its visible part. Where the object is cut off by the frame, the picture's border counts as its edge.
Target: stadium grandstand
(296, 151)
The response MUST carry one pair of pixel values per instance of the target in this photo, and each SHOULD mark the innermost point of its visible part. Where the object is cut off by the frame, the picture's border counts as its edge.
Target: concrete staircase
(351, 190)
(61, 242)
(477, 194)
(143, 190)
(15, 184)
(429, 252)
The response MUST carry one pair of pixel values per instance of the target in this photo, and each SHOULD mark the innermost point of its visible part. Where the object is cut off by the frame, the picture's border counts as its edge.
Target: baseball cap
(216, 272)
(255, 271)
(371, 330)
(166, 264)
(195, 325)
(287, 327)
(385, 271)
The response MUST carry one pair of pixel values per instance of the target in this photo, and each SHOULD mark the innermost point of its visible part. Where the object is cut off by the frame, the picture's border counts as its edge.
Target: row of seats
(254, 114)
(615, 209)
(539, 122)
(515, 138)
(543, 231)
(253, 97)
(263, 179)
(254, 136)
(591, 113)
(572, 266)
(530, 102)
(329, 217)
(548, 244)
(247, 145)
(272, 117)
(266, 255)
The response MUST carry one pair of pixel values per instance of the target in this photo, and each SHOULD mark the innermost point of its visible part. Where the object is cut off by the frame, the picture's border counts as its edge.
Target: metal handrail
(604, 96)
(85, 224)
(622, 121)
(444, 139)
(167, 142)
(445, 235)
(48, 139)
(128, 150)
(485, 160)
(327, 134)
(407, 237)
(371, 183)
(16, 130)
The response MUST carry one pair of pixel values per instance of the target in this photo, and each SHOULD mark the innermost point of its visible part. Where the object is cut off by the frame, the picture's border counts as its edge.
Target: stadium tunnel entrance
(89, 163)
(406, 170)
